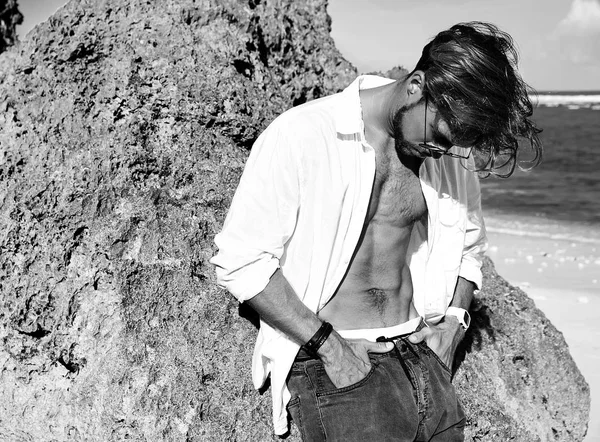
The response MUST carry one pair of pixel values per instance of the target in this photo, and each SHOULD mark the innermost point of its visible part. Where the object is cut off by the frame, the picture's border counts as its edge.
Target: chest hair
(397, 194)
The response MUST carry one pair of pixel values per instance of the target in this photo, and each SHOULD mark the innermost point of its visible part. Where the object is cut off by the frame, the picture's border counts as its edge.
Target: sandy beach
(562, 276)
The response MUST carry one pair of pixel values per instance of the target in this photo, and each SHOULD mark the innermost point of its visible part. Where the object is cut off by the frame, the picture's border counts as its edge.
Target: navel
(378, 299)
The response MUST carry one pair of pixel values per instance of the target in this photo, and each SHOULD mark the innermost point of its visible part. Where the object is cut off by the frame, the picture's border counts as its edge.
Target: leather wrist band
(315, 343)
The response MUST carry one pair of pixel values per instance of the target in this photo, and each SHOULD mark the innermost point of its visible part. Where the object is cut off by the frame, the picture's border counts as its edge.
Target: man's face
(409, 131)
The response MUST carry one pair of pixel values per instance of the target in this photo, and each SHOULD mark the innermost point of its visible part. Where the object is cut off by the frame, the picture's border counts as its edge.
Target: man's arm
(463, 293)
(345, 361)
(444, 337)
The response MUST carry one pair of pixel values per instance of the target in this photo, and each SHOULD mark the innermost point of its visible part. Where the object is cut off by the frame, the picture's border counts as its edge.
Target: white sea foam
(548, 235)
(528, 226)
(587, 101)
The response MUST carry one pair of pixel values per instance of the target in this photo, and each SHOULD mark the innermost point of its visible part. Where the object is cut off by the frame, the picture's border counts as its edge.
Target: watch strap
(463, 316)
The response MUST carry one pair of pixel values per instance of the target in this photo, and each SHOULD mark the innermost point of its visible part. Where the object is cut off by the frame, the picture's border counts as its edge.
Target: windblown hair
(471, 77)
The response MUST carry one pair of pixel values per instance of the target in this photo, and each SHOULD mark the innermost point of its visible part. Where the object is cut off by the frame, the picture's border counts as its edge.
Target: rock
(515, 375)
(124, 127)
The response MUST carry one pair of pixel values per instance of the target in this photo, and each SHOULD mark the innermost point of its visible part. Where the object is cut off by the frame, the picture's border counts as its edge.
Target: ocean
(560, 198)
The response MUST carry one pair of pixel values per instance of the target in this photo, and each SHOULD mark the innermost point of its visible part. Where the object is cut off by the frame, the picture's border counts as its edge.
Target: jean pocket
(326, 387)
(438, 359)
(295, 410)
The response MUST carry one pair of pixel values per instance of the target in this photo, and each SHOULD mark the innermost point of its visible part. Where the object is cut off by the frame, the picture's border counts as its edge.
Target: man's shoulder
(318, 112)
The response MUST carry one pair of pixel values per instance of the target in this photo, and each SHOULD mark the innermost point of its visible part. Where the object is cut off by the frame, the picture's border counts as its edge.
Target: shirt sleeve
(476, 242)
(262, 216)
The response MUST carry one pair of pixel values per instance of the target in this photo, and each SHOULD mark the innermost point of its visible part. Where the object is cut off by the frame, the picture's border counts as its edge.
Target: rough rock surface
(124, 127)
(515, 375)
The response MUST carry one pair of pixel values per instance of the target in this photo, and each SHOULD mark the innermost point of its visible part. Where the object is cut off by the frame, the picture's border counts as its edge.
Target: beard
(403, 147)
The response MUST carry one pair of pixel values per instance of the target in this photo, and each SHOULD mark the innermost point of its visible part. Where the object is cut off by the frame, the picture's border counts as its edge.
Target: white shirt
(301, 204)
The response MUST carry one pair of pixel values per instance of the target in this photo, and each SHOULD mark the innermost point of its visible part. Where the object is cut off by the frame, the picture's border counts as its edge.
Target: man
(356, 234)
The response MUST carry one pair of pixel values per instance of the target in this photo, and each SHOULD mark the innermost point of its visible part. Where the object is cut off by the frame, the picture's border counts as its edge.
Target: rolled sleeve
(241, 278)
(262, 216)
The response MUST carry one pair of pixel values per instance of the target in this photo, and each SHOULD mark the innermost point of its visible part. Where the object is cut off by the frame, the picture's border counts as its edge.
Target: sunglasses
(452, 151)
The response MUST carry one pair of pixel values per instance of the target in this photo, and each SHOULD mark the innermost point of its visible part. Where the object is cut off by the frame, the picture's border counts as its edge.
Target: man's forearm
(279, 306)
(463, 293)
(443, 338)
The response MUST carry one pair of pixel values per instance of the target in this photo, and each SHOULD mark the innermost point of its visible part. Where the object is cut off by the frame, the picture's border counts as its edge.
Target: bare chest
(397, 198)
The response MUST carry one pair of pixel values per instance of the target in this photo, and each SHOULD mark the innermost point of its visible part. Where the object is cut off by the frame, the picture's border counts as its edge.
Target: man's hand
(346, 362)
(442, 338)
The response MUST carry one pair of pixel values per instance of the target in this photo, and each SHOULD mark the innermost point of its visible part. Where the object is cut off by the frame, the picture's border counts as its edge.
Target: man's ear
(414, 86)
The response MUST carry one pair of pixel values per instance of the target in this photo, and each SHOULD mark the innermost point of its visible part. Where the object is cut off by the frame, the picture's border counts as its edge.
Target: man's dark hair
(471, 77)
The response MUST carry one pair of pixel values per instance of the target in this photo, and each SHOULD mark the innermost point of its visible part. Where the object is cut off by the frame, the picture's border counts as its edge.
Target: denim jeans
(406, 396)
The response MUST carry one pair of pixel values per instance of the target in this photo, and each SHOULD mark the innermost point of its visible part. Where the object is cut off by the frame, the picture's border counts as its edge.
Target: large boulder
(124, 127)
(515, 375)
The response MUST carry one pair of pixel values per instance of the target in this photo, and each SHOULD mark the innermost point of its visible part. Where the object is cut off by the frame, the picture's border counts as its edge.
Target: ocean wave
(569, 101)
(540, 227)
(574, 237)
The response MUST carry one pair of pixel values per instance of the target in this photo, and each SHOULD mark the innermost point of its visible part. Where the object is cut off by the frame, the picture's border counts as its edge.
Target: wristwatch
(463, 316)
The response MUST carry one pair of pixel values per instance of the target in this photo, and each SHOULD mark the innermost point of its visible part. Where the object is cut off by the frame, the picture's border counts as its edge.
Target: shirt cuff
(247, 282)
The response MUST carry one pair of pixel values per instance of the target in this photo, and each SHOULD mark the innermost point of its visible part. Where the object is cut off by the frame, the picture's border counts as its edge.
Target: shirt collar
(348, 120)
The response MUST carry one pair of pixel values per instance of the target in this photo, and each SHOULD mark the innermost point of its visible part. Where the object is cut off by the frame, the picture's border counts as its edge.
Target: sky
(558, 40)
(34, 12)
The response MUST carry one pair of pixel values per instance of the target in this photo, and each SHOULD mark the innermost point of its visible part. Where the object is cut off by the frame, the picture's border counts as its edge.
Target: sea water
(561, 197)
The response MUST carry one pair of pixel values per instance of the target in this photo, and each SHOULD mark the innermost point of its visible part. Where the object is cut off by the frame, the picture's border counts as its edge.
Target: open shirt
(301, 205)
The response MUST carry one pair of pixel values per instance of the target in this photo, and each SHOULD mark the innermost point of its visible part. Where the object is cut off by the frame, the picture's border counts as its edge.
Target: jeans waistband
(374, 334)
